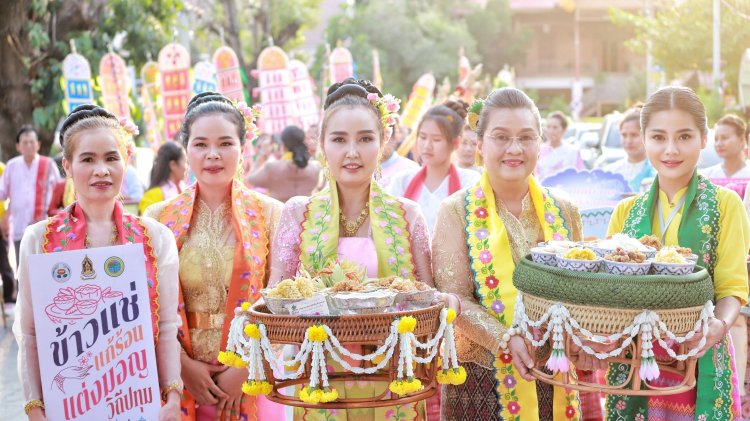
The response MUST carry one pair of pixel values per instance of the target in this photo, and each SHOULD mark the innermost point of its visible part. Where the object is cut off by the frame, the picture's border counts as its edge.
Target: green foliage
(681, 34)
(148, 25)
(713, 103)
(557, 103)
(414, 37)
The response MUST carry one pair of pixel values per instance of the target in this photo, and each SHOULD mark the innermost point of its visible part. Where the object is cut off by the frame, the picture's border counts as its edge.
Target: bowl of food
(623, 241)
(621, 262)
(544, 255)
(361, 302)
(289, 291)
(579, 259)
(669, 261)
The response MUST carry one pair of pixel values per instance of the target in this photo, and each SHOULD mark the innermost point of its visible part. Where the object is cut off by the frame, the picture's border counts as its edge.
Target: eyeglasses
(505, 141)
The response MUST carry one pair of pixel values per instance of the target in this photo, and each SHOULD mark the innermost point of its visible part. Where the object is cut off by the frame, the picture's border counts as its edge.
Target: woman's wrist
(725, 327)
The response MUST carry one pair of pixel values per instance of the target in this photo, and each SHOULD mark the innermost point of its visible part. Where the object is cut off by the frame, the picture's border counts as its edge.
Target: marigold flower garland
(248, 345)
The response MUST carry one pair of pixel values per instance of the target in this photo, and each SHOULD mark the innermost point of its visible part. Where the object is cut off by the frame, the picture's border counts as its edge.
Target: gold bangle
(172, 387)
(34, 403)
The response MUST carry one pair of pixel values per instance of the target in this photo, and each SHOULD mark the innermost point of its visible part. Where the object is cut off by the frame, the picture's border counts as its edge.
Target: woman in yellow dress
(481, 232)
(684, 208)
(94, 157)
(222, 230)
(167, 175)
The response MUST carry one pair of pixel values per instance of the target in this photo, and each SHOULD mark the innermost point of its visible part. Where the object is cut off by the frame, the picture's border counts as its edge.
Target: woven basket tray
(604, 321)
(601, 289)
(364, 329)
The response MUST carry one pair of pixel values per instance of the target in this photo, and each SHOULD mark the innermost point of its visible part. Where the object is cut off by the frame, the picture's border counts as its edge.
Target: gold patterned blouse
(477, 332)
(205, 273)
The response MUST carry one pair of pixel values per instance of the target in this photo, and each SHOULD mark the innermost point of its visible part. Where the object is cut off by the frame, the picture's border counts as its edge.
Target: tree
(35, 35)
(681, 35)
(414, 37)
(248, 27)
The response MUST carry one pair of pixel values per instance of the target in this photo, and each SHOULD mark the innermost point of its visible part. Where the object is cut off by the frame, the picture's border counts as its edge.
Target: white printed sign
(94, 334)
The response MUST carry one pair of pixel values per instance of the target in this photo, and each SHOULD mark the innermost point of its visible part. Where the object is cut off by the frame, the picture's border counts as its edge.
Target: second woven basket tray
(654, 292)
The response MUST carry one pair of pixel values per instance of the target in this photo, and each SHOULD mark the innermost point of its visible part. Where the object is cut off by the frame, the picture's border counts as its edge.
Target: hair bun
(350, 86)
(459, 106)
(82, 112)
(204, 97)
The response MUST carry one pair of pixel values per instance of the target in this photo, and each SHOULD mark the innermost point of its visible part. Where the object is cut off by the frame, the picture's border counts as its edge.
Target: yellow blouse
(730, 273)
(477, 332)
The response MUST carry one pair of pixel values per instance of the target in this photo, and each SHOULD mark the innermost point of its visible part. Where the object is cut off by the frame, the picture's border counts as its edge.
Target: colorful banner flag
(77, 80)
(149, 101)
(174, 68)
(277, 101)
(115, 85)
(204, 77)
(340, 64)
(308, 104)
(228, 77)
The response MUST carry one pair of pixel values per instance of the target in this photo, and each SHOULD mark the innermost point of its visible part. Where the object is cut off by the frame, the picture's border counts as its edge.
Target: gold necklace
(112, 240)
(352, 226)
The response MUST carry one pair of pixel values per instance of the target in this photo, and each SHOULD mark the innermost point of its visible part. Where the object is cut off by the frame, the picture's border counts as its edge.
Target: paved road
(11, 401)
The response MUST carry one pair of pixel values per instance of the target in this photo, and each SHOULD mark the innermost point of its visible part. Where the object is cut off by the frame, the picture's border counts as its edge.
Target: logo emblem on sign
(114, 266)
(61, 272)
(87, 269)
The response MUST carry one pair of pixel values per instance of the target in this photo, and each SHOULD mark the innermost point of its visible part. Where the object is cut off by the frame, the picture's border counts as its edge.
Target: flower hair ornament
(387, 106)
(251, 116)
(475, 110)
(129, 126)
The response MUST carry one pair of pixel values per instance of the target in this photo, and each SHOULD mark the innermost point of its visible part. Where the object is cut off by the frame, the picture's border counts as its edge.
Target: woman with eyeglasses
(438, 136)
(481, 232)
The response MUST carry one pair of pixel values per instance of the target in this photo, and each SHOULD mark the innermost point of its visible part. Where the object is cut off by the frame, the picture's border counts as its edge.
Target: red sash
(415, 186)
(67, 231)
(248, 271)
(42, 174)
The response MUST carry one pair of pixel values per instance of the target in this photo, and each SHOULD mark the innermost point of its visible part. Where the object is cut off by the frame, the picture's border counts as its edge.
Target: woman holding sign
(684, 208)
(481, 232)
(95, 156)
(222, 230)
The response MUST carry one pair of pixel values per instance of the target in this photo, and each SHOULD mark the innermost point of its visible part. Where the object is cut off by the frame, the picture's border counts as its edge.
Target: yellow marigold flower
(245, 306)
(407, 324)
(329, 396)
(310, 396)
(317, 333)
(378, 359)
(252, 331)
(227, 358)
(456, 376)
(404, 387)
(451, 316)
(254, 388)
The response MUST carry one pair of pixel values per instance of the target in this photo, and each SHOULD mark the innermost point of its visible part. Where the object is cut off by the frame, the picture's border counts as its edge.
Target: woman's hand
(717, 330)
(230, 382)
(197, 377)
(521, 358)
(171, 409)
(450, 301)
(586, 362)
(37, 414)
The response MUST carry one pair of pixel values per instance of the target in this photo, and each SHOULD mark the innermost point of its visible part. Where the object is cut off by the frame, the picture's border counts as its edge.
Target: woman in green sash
(354, 220)
(481, 232)
(686, 209)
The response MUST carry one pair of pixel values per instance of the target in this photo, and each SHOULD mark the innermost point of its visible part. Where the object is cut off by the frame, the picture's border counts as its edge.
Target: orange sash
(67, 231)
(248, 271)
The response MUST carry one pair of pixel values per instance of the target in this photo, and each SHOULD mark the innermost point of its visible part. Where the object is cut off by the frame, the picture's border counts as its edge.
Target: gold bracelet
(172, 387)
(34, 403)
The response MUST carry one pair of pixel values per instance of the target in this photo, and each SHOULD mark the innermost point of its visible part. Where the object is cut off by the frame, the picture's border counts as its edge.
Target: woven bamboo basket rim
(608, 321)
(619, 291)
(349, 329)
